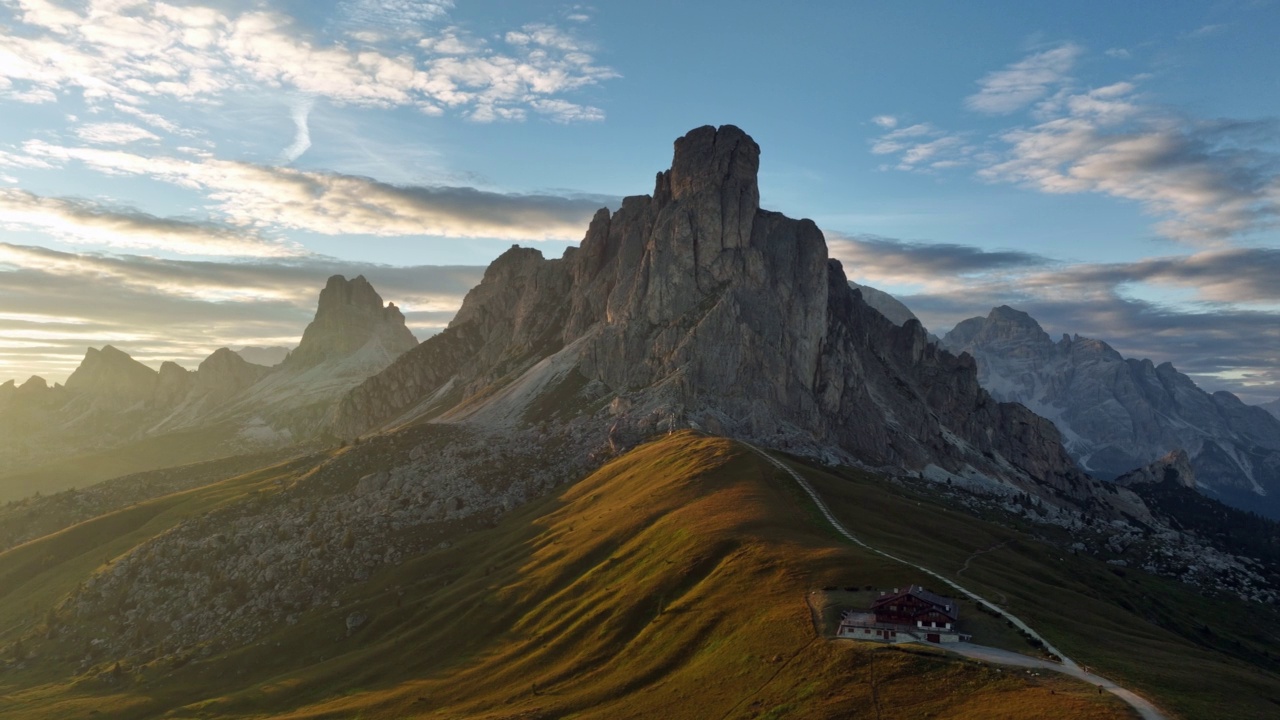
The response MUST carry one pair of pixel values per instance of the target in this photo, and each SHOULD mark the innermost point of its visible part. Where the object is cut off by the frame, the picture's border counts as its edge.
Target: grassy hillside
(677, 580)
(1195, 656)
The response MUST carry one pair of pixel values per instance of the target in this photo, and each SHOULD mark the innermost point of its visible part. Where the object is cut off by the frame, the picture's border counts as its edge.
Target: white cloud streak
(300, 113)
(1004, 91)
(124, 51)
(79, 221)
(260, 198)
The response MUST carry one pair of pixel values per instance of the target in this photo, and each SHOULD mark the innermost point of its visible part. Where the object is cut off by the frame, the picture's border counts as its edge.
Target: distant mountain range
(111, 399)
(1118, 413)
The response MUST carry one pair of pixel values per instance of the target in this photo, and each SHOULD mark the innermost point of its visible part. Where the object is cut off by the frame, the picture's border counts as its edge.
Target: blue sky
(178, 177)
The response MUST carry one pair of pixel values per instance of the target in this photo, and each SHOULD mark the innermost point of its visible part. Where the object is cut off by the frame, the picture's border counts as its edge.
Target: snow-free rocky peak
(112, 373)
(350, 316)
(693, 306)
(1120, 413)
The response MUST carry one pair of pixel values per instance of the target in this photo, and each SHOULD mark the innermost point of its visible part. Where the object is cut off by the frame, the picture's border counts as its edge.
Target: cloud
(113, 134)
(938, 265)
(302, 139)
(55, 304)
(129, 53)
(1207, 31)
(922, 145)
(887, 122)
(260, 197)
(81, 221)
(1209, 179)
(1004, 91)
(1209, 182)
(1118, 53)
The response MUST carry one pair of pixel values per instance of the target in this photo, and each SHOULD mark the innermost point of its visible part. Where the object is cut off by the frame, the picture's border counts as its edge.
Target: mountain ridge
(694, 307)
(1119, 413)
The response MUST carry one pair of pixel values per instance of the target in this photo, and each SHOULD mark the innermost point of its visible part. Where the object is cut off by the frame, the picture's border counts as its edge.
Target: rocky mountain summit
(694, 306)
(1117, 413)
(351, 319)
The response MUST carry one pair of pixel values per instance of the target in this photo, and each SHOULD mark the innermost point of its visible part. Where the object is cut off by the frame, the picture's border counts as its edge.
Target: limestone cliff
(695, 306)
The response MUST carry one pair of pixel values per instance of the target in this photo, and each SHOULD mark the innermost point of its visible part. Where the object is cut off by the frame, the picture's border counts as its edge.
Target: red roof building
(916, 607)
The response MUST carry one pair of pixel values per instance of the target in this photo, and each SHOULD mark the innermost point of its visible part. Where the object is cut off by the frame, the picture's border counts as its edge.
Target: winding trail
(978, 652)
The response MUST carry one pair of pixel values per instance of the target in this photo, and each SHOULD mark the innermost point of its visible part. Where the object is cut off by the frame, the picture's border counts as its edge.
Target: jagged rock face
(1117, 414)
(888, 305)
(1172, 468)
(110, 373)
(695, 304)
(350, 316)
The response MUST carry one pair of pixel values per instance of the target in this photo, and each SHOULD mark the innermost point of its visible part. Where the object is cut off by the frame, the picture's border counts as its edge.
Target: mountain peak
(715, 159)
(349, 315)
(1002, 327)
(1013, 316)
(113, 372)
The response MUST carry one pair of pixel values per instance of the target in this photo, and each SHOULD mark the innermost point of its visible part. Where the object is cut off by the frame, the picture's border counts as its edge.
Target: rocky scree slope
(693, 306)
(1118, 413)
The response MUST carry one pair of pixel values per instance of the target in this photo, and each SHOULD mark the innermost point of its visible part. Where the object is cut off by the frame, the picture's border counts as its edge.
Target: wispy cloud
(1005, 91)
(113, 133)
(261, 197)
(300, 113)
(1208, 182)
(921, 146)
(1209, 179)
(128, 52)
(81, 221)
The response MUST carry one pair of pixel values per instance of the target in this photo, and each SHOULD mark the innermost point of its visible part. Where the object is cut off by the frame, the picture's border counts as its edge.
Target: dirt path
(1006, 657)
(1068, 666)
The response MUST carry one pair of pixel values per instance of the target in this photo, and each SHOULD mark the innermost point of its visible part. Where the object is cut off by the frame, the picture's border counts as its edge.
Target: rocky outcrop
(349, 317)
(1172, 468)
(1117, 413)
(694, 306)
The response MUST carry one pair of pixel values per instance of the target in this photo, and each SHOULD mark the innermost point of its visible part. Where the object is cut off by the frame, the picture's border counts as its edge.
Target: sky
(178, 177)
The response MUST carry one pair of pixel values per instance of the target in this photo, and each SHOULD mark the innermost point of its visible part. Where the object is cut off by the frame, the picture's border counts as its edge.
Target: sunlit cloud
(126, 53)
(1005, 91)
(1208, 182)
(113, 133)
(84, 222)
(256, 196)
